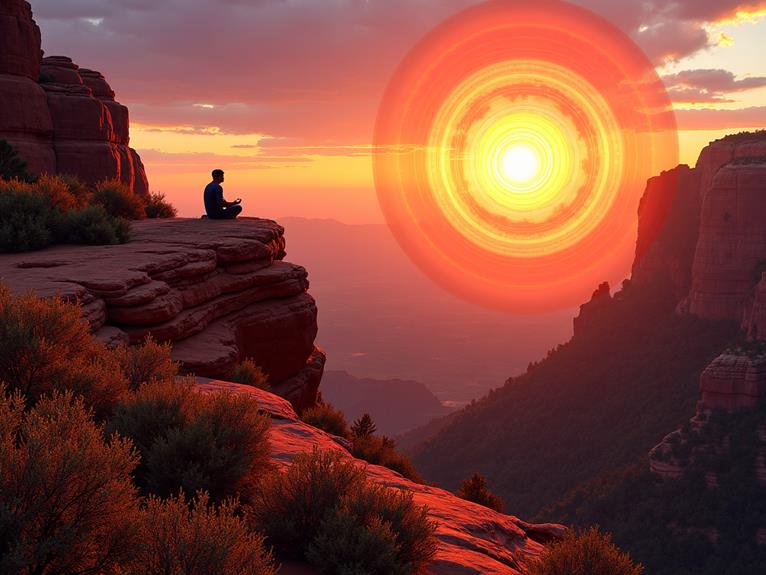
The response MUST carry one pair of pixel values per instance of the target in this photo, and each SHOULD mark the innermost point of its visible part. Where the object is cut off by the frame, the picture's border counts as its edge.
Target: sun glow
(519, 164)
(522, 138)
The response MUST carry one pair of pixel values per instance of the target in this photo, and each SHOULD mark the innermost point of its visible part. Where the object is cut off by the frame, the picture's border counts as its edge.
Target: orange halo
(511, 149)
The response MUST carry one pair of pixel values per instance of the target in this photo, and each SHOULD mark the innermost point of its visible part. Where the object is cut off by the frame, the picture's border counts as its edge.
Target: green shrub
(46, 346)
(202, 539)
(325, 510)
(382, 451)
(118, 200)
(67, 502)
(289, 507)
(11, 165)
(364, 426)
(585, 553)
(247, 373)
(77, 189)
(146, 363)
(54, 210)
(374, 530)
(475, 489)
(325, 417)
(158, 207)
(27, 219)
(194, 441)
(92, 225)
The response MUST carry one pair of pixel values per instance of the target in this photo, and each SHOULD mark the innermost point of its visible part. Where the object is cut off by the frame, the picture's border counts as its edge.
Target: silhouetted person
(216, 206)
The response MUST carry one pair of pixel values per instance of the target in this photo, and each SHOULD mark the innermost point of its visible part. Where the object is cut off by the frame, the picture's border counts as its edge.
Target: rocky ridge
(218, 290)
(472, 539)
(59, 117)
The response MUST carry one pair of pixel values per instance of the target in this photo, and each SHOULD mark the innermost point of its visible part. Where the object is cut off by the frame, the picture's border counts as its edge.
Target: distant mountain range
(395, 405)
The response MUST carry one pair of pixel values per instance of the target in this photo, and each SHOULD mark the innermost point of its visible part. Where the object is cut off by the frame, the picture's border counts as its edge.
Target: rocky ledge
(218, 290)
(472, 539)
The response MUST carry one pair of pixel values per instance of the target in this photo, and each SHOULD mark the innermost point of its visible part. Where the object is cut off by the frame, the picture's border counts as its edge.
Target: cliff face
(218, 290)
(472, 539)
(60, 118)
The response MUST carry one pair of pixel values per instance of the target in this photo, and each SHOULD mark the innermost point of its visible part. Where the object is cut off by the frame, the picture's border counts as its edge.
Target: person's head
(218, 176)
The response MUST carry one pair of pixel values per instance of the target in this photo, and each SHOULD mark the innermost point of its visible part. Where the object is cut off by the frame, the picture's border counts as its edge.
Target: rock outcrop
(668, 226)
(472, 539)
(736, 378)
(592, 312)
(218, 290)
(60, 118)
(731, 250)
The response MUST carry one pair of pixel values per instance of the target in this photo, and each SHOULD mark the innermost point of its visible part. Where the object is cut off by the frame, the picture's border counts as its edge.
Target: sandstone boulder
(733, 380)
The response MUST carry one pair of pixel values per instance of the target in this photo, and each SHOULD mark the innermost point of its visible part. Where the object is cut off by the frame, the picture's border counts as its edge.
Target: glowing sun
(519, 164)
(512, 146)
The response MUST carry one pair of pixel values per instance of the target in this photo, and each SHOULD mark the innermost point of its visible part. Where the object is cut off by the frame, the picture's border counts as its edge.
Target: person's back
(216, 207)
(213, 198)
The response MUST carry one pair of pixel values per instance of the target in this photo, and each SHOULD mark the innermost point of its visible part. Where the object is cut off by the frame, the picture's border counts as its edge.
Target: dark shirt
(213, 199)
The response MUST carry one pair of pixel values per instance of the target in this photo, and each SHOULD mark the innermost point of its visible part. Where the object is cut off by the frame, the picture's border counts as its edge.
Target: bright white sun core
(520, 164)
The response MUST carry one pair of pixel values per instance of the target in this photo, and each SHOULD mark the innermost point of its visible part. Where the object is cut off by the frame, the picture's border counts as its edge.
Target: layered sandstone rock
(69, 122)
(732, 241)
(218, 290)
(472, 539)
(25, 121)
(668, 226)
(734, 379)
(720, 152)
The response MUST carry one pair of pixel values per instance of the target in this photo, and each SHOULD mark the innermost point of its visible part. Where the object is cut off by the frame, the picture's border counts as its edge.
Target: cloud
(708, 85)
(312, 70)
(707, 119)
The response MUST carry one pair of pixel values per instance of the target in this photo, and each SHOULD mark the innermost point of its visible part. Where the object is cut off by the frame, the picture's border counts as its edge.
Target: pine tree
(475, 489)
(363, 427)
(11, 165)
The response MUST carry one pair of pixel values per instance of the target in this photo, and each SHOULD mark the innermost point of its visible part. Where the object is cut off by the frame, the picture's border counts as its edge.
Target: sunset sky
(283, 94)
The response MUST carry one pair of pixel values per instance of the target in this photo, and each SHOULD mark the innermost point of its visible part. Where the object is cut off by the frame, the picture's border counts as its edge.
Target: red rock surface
(732, 242)
(471, 539)
(217, 289)
(592, 311)
(69, 123)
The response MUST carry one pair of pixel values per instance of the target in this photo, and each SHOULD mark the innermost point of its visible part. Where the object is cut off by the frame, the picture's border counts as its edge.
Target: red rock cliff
(218, 290)
(60, 118)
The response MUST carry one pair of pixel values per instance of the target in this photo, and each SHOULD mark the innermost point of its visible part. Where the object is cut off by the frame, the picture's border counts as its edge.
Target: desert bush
(26, 222)
(67, 502)
(81, 193)
(363, 426)
(289, 507)
(46, 346)
(118, 200)
(475, 489)
(381, 450)
(325, 417)
(588, 552)
(193, 441)
(94, 226)
(325, 510)
(11, 165)
(177, 538)
(374, 530)
(61, 194)
(158, 207)
(248, 373)
(146, 363)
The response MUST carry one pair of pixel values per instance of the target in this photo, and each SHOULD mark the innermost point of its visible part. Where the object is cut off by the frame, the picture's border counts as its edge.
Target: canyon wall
(218, 290)
(60, 118)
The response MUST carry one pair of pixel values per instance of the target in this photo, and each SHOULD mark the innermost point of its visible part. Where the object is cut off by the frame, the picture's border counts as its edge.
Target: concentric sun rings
(568, 125)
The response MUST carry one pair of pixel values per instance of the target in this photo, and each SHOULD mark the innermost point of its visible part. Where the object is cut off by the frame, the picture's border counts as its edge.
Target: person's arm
(223, 203)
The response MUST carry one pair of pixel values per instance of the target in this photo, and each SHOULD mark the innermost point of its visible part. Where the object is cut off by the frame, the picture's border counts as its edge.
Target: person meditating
(216, 206)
